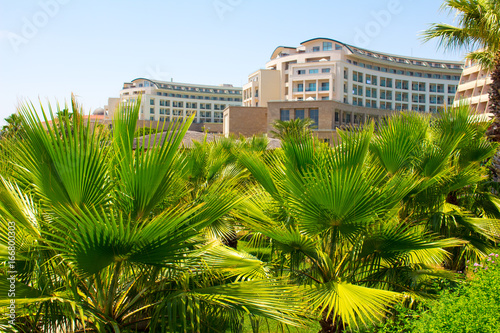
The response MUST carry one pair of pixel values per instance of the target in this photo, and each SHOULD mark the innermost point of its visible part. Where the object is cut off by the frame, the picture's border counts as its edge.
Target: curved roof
(279, 49)
(360, 51)
(328, 39)
(142, 78)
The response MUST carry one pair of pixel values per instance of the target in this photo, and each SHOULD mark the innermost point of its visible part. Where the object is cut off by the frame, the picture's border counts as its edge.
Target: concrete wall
(246, 121)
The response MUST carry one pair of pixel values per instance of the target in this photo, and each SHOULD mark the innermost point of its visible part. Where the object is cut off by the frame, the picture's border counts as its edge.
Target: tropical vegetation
(227, 234)
(478, 31)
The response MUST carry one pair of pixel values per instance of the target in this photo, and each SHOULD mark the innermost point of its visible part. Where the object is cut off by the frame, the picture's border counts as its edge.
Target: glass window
(325, 86)
(299, 114)
(325, 70)
(152, 110)
(284, 115)
(338, 47)
(327, 46)
(152, 101)
(313, 71)
(301, 71)
(316, 49)
(311, 87)
(314, 115)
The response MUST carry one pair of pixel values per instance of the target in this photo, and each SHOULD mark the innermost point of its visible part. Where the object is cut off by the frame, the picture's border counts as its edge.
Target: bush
(145, 131)
(473, 307)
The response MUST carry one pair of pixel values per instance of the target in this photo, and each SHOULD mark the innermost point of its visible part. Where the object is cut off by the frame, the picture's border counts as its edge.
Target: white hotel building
(326, 69)
(165, 101)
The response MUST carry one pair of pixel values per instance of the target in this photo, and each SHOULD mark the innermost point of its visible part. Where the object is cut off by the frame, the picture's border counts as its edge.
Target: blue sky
(50, 48)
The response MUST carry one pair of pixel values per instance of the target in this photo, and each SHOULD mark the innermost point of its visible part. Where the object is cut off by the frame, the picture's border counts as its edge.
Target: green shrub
(145, 131)
(473, 307)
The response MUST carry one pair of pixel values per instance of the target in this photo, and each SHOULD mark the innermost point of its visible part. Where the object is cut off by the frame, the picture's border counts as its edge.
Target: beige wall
(474, 87)
(268, 85)
(246, 121)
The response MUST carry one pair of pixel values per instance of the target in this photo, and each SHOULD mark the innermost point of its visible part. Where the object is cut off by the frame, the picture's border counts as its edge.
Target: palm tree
(355, 225)
(297, 128)
(445, 154)
(478, 29)
(108, 239)
(332, 216)
(13, 126)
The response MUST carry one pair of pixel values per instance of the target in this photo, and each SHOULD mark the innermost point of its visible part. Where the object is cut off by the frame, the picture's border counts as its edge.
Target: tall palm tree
(478, 29)
(108, 241)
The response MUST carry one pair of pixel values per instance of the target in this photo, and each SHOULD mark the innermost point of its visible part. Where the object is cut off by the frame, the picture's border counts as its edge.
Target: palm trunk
(328, 325)
(494, 130)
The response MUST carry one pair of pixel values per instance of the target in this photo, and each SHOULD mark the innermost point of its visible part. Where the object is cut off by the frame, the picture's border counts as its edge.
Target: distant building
(339, 85)
(474, 87)
(166, 101)
(326, 69)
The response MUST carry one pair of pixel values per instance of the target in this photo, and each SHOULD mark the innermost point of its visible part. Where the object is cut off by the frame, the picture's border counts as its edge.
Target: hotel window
(316, 49)
(313, 71)
(284, 115)
(325, 70)
(338, 47)
(346, 76)
(357, 90)
(327, 46)
(152, 118)
(301, 71)
(300, 87)
(152, 110)
(325, 86)
(314, 115)
(162, 102)
(299, 114)
(356, 76)
(311, 87)
(152, 101)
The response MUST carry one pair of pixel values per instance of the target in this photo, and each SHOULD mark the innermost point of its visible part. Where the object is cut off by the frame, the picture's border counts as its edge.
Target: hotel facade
(474, 87)
(326, 69)
(339, 85)
(168, 101)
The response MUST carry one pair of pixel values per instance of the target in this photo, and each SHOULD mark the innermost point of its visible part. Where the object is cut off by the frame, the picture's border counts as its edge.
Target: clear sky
(50, 48)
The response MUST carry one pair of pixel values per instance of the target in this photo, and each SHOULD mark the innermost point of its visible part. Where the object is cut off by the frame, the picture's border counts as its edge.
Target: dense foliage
(227, 233)
(473, 307)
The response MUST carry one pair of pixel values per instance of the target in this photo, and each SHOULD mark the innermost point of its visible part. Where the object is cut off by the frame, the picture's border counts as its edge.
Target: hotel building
(474, 87)
(326, 69)
(166, 101)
